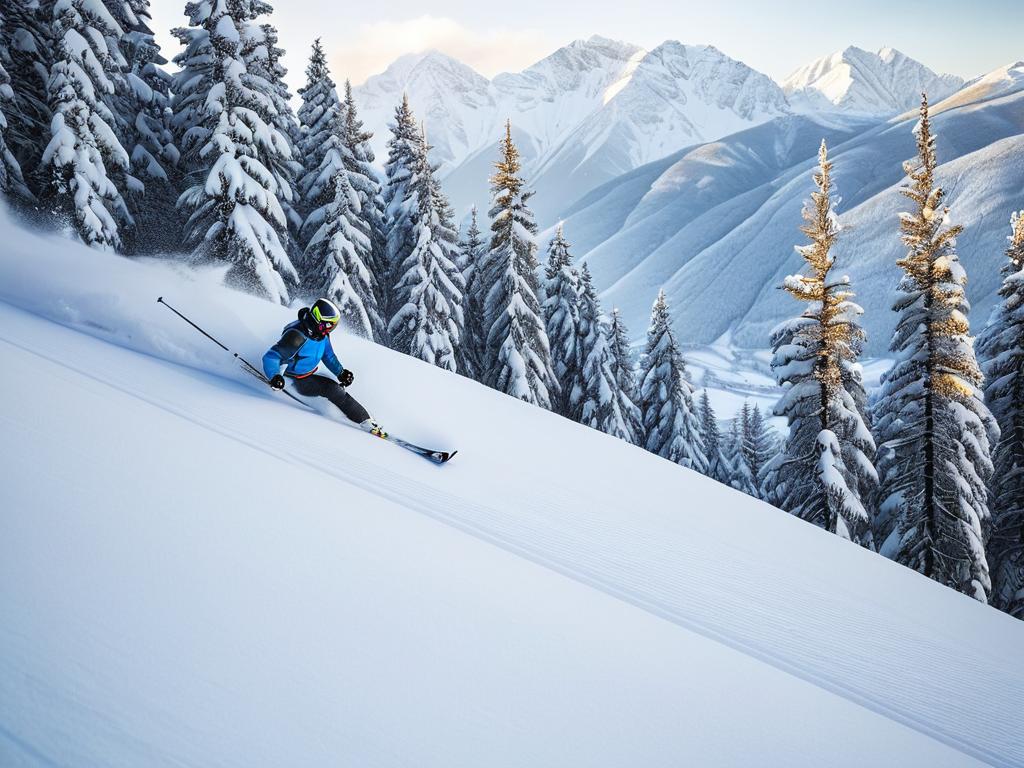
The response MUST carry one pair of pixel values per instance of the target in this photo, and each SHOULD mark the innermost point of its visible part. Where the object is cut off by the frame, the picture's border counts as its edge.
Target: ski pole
(252, 368)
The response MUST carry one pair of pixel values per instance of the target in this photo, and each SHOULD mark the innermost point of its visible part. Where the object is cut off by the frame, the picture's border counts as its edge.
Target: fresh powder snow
(195, 571)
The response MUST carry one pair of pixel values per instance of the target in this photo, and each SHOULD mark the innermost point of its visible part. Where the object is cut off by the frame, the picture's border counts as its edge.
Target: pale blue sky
(963, 38)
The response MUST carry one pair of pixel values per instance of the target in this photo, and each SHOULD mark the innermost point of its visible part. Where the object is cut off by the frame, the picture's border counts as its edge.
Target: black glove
(277, 383)
(346, 377)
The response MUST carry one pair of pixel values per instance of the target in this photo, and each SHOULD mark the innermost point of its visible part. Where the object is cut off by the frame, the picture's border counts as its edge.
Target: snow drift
(194, 571)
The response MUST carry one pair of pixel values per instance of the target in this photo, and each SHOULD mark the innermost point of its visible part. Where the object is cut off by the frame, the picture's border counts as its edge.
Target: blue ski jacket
(300, 351)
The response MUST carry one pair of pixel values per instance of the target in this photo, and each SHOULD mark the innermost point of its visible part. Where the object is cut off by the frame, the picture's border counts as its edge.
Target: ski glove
(346, 377)
(277, 383)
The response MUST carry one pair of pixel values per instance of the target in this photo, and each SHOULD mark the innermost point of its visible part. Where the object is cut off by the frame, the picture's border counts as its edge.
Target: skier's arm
(278, 356)
(331, 360)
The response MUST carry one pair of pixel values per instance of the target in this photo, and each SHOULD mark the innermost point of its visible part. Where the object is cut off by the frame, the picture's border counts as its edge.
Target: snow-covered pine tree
(27, 49)
(428, 322)
(265, 74)
(12, 183)
(623, 369)
(84, 155)
(225, 128)
(602, 405)
(825, 474)
(317, 113)
(317, 116)
(758, 444)
(740, 476)
(365, 182)
(472, 349)
(335, 259)
(142, 103)
(719, 467)
(518, 358)
(400, 209)
(670, 422)
(933, 428)
(562, 320)
(1002, 347)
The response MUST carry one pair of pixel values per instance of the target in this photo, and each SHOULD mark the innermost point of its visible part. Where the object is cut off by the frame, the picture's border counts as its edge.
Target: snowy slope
(862, 82)
(717, 226)
(194, 571)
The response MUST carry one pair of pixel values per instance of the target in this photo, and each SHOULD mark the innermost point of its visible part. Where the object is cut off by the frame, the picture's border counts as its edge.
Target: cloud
(373, 46)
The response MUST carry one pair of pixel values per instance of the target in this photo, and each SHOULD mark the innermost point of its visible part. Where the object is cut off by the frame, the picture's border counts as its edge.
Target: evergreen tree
(474, 339)
(933, 428)
(719, 467)
(758, 445)
(562, 321)
(142, 102)
(224, 119)
(84, 155)
(365, 183)
(27, 48)
(428, 322)
(12, 182)
(1002, 346)
(517, 358)
(602, 405)
(623, 370)
(335, 259)
(265, 75)
(740, 476)
(317, 114)
(400, 210)
(825, 474)
(670, 423)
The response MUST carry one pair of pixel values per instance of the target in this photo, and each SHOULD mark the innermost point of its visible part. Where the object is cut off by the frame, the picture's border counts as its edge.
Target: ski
(437, 457)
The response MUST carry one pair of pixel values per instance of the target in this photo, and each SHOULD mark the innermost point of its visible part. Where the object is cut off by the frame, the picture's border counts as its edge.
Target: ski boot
(373, 428)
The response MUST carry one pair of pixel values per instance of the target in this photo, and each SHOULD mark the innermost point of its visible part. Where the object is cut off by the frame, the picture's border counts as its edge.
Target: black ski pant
(321, 386)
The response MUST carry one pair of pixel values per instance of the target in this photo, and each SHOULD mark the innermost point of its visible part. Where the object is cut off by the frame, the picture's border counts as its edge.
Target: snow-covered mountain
(716, 224)
(456, 104)
(598, 108)
(857, 81)
(679, 95)
(548, 100)
(195, 571)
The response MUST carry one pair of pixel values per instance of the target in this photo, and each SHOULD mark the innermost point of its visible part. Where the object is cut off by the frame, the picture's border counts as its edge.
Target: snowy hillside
(861, 82)
(716, 224)
(194, 571)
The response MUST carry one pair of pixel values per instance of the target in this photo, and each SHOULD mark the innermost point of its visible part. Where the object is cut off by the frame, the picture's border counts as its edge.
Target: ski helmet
(325, 315)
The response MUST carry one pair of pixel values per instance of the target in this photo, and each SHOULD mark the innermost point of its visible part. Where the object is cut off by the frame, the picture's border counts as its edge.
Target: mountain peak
(857, 81)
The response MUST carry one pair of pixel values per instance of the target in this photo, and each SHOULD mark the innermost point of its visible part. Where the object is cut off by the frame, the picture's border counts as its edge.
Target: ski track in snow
(740, 599)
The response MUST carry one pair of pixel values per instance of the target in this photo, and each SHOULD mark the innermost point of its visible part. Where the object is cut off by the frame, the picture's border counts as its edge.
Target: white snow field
(195, 571)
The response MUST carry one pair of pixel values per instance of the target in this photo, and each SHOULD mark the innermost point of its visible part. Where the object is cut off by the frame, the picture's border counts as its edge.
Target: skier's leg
(348, 404)
(321, 386)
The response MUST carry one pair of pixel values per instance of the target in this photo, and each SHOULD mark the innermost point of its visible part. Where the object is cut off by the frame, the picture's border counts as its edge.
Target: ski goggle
(324, 323)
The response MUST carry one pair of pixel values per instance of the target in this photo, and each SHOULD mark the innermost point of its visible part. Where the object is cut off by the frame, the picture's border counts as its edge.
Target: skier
(306, 343)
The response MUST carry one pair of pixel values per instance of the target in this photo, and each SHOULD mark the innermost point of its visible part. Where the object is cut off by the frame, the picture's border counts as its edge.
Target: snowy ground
(195, 572)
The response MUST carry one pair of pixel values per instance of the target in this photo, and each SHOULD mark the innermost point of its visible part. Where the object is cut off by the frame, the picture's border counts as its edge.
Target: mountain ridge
(599, 107)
